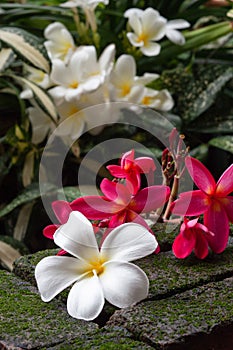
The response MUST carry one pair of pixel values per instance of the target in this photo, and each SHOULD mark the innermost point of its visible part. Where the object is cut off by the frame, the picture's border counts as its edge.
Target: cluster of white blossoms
(79, 79)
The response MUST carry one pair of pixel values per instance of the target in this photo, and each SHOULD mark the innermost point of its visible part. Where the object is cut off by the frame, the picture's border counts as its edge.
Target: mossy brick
(105, 339)
(26, 322)
(24, 266)
(201, 318)
(169, 275)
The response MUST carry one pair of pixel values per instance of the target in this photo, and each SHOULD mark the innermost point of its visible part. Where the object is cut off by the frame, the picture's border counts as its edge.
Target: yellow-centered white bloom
(83, 73)
(126, 86)
(96, 274)
(60, 43)
(159, 100)
(148, 27)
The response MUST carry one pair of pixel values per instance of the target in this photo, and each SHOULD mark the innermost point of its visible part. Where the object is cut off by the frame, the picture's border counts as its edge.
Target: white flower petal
(107, 57)
(175, 36)
(133, 12)
(73, 127)
(177, 24)
(77, 237)
(60, 73)
(152, 49)
(128, 242)
(41, 124)
(134, 40)
(58, 94)
(86, 299)
(136, 24)
(124, 71)
(123, 283)
(146, 78)
(55, 273)
(135, 94)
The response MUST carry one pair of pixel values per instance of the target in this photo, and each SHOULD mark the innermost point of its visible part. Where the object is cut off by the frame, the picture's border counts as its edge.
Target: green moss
(28, 322)
(192, 314)
(169, 275)
(24, 266)
(105, 339)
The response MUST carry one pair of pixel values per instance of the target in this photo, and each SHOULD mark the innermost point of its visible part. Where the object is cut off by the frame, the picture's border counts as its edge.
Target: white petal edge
(86, 299)
(55, 273)
(124, 283)
(77, 237)
(152, 49)
(128, 242)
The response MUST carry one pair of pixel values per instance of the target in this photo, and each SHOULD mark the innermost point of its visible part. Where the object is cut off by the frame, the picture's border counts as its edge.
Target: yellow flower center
(146, 100)
(142, 37)
(125, 90)
(96, 267)
(73, 85)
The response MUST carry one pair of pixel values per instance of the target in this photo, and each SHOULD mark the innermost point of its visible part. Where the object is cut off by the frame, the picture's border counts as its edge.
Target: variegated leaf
(8, 255)
(26, 46)
(6, 57)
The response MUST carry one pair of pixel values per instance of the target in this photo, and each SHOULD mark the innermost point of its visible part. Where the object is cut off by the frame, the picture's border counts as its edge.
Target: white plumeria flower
(41, 123)
(148, 27)
(90, 4)
(173, 34)
(82, 74)
(160, 100)
(96, 274)
(60, 43)
(127, 86)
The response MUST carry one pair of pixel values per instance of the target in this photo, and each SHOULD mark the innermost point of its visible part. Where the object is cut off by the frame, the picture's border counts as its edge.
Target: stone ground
(189, 306)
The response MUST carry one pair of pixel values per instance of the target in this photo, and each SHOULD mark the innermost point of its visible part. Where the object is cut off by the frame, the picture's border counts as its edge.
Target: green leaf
(6, 58)
(26, 45)
(223, 142)
(71, 193)
(41, 97)
(196, 91)
(25, 197)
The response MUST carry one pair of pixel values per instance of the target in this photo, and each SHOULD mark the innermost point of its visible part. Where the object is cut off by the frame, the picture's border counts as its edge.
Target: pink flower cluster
(124, 200)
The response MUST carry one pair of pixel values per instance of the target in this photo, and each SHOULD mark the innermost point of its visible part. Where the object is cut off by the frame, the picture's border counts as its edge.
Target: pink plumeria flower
(62, 212)
(211, 199)
(120, 205)
(96, 274)
(131, 169)
(193, 236)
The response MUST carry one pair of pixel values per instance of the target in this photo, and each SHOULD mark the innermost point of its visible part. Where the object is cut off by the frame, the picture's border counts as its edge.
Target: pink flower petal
(145, 164)
(62, 210)
(228, 206)
(200, 175)
(95, 207)
(134, 179)
(49, 231)
(128, 156)
(225, 183)
(149, 198)
(215, 218)
(201, 247)
(116, 171)
(116, 192)
(182, 247)
(117, 219)
(190, 203)
(134, 217)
